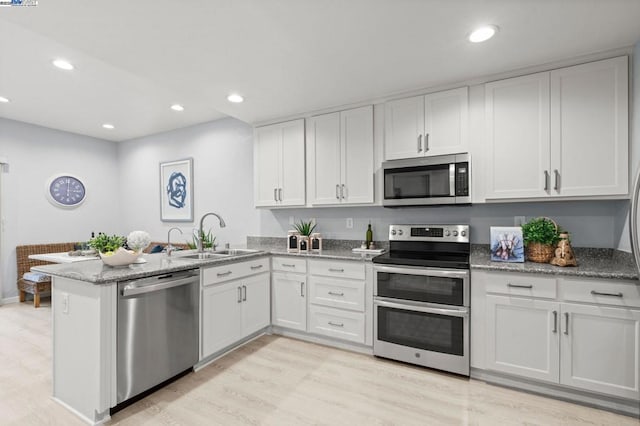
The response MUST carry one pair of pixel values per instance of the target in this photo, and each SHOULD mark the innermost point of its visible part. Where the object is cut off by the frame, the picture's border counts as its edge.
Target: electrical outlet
(519, 220)
(65, 303)
(292, 220)
(349, 223)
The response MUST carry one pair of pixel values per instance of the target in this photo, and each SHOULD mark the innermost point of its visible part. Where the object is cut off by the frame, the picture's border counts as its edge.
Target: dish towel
(35, 277)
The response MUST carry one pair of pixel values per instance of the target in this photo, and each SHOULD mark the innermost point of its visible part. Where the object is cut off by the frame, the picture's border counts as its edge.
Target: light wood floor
(278, 381)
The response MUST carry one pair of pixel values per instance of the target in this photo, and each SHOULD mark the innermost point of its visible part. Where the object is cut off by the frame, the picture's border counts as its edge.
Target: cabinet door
(356, 127)
(267, 165)
(522, 337)
(518, 140)
(325, 146)
(446, 122)
(289, 304)
(589, 129)
(404, 128)
(256, 303)
(221, 316)
(600, 349)
(292, 181)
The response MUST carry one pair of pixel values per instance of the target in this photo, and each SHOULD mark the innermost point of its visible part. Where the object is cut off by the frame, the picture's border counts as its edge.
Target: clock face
(66, 191)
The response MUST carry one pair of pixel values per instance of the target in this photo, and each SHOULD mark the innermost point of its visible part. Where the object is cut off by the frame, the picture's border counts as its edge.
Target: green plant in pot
(208, 241)
(540, 237)
(106, 244)
(305, 229)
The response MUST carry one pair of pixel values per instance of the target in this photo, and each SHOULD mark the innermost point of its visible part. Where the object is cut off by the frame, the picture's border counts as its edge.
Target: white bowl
(121, 257)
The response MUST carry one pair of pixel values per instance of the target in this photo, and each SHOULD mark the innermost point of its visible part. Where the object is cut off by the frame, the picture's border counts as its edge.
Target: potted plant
(111, 250)
(208, 240)
(540, 237)
(305, 229)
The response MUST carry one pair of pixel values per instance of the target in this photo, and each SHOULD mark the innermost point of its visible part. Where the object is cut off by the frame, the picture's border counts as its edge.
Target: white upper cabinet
(341, 157)
(279, 164)
(433, 124)
(562, 133)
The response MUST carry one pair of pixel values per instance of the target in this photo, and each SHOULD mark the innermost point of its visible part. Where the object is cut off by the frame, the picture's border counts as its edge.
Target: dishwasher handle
(132, 289)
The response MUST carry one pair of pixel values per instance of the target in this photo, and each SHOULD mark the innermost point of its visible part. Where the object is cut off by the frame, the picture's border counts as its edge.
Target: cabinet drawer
(289, 264)
(337, 293)
(521, 285)
(338, 269)
(232, 271)
(618, 293)
(336, 323)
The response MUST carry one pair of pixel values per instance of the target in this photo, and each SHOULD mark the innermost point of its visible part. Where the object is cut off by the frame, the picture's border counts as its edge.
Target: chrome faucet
(201, 230)
(169, 246)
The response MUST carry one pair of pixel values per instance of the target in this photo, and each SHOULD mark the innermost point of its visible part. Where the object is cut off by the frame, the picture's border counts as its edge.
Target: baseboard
(321, 340)
(8, 300)
(217, 355)
(609, 403)
(81, 416)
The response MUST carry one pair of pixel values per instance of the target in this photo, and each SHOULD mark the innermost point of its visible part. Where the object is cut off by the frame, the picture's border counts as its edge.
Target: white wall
(222, 154)
(34, 154)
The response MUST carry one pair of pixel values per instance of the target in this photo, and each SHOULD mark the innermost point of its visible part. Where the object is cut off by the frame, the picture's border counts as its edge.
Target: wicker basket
(541, 253)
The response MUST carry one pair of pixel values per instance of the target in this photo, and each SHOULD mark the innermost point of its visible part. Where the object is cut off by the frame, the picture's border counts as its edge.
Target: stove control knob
(393, 232)
(455, 233)
(400, 232)
(463, 233)
(447, 233)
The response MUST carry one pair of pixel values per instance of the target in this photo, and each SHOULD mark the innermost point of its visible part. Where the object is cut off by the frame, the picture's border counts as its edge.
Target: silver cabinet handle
(597, 293)
(244, 293)
(302, 289)
(419, 143)
(342, 191)
(279, 194)
(556, 185)
(239, 294)
(288, 265)
(426, 142)
(338, 191)
(224, 274)
(335, 270)
(519, 286)
(253, 268)
(566, 323)
(336, 324)
(333, 293)
(555, 321)
(275, 194)
(546, 180)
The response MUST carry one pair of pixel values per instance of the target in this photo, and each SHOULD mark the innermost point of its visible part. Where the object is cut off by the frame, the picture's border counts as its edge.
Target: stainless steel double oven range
(421, 297)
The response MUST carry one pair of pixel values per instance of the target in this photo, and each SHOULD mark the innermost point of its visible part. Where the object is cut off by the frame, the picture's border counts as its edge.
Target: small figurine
(564, 253)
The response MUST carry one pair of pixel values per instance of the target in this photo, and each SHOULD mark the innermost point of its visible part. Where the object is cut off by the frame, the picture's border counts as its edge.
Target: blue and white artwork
(176, 191)
(507, 244)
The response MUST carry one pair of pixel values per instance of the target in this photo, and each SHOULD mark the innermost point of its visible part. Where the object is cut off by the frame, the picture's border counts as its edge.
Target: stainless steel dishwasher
(157, 330)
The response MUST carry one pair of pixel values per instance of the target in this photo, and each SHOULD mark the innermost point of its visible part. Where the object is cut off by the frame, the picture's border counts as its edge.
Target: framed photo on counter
(176, 191)
(507, 244)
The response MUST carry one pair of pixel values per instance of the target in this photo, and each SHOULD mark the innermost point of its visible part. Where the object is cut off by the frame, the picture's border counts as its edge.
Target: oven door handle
(422, 271)
(410, 307)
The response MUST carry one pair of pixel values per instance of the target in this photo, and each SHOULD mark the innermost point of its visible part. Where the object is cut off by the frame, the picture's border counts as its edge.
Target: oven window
(417, 182)
(420, 330)
(421, 288)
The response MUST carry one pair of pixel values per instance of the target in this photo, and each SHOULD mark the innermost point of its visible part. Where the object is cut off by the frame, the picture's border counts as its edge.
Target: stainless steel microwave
(437, 180)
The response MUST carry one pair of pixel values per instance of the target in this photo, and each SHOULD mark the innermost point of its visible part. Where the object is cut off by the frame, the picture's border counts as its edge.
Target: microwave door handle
(452, 180)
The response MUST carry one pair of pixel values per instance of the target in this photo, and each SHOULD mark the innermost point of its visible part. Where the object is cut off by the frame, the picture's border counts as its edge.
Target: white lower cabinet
(336, 323)
(289, 306)
(592, 346)
(232, 310)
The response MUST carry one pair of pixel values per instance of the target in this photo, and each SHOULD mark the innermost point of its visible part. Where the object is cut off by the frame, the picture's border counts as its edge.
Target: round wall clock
(65, 190)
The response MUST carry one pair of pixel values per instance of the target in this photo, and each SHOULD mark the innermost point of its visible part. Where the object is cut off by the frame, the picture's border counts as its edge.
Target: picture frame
(507, 244)
(176, 190)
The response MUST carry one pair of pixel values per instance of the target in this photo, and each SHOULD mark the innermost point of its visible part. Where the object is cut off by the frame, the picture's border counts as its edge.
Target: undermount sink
(221, 254)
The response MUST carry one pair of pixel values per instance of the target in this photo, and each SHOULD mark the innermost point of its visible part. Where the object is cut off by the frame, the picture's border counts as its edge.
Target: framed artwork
(176, 191)
(507, 244)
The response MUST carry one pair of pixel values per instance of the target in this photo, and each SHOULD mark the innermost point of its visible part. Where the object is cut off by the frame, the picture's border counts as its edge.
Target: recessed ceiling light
(235, 98)
(108, 126)
(483, 33)
(177, 107)
(63, 65)
(3, 100)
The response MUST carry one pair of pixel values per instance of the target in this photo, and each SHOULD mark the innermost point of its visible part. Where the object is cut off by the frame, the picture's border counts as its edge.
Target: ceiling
(134, 59)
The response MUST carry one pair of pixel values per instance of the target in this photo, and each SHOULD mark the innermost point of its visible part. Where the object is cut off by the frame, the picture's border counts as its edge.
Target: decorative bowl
(121, 257)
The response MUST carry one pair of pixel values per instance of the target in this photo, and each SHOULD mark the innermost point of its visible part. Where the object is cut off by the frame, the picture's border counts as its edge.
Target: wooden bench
(25, 264)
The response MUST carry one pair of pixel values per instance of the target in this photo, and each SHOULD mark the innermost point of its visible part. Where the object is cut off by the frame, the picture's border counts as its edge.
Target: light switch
(349, 223)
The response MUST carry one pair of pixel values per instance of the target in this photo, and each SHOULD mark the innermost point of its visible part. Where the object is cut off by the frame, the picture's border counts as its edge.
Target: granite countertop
(332, 249)
(96, 272)
(592, 263)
